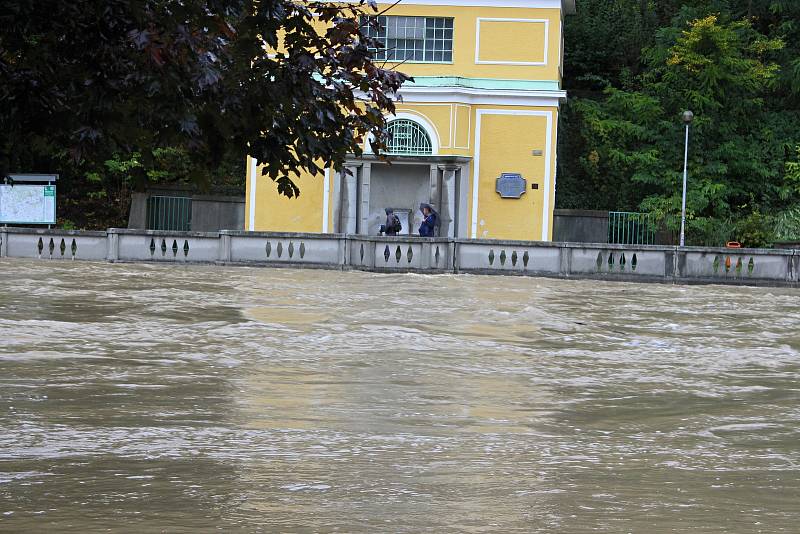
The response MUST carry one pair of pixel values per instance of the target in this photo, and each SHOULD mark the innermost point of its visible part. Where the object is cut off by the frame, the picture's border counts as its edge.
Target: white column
(251, 217)
(363, 200)
(448, 200)
(436, 196)
(349, 209)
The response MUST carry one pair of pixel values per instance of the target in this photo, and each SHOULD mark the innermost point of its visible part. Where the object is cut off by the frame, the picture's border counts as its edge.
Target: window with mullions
(424, 39)
(407, 138)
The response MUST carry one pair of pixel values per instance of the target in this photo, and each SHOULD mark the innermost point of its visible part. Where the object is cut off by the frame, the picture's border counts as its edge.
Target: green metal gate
(630, 228)
(169, 213)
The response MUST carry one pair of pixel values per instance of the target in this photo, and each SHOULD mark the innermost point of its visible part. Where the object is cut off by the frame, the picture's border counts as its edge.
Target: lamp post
(686, 117)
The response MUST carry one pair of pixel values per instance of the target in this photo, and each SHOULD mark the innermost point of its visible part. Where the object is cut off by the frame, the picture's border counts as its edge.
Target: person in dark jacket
(429, 221)
(392, 225)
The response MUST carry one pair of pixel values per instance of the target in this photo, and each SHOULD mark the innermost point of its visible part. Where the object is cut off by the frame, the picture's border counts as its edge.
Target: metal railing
(169, 213)
(631, 228)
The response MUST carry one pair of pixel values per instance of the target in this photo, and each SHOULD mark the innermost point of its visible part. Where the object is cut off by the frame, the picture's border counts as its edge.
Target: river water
(146, 398)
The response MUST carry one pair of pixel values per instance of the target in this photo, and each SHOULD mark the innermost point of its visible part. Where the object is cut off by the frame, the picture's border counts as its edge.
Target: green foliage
(65, 224)
(727, 62)
(792, 186)
(86, 85)
(787, 225)
(756, 230)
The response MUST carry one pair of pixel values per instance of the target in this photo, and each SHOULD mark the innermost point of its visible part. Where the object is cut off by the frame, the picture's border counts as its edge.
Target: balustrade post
(112, 239)
(426, 250)
(344, 251)
(224, 247)
(564, 260)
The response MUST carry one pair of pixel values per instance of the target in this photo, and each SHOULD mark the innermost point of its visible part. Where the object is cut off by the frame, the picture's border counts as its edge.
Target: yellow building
(474, 135)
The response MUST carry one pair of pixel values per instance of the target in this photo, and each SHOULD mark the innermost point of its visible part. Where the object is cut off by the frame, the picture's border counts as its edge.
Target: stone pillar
(112, 239)
(448, 200)
(363, 199)
(3, 242)
(435, 197)
(349, 208)
(224, 247)
(436, 192)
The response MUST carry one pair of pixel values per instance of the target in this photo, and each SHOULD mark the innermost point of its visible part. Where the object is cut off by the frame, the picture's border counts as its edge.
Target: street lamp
(687, 117)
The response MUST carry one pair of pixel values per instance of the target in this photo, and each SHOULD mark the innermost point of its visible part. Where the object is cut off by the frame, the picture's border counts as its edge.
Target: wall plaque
(511, 185)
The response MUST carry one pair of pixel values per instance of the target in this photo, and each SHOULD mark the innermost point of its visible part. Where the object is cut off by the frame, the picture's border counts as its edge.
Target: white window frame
(384, 54)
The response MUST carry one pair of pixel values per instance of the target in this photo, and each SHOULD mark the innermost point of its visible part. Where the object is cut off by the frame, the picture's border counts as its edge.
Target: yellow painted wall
(277, 213)
(451, 121)
(463, 127)
(440, 115)
(503, 42)
(495, 36)
(507, 141)
(506, 144)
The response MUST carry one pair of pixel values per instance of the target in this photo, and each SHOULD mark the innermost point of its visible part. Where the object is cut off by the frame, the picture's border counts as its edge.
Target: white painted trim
(420, 119)
(486, 97)
(567, 5)
(476, 174)
(555, 168)
(469, 125)
(550, 171)
(560, 59)
(326, 193)
(547, 164)
(543, 63)
(251, 220)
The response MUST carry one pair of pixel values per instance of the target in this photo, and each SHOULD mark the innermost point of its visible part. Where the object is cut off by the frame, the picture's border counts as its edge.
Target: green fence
(169, 213)
(630, 228)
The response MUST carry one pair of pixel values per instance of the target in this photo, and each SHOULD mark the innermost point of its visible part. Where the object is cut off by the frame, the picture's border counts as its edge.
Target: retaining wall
(779, 267)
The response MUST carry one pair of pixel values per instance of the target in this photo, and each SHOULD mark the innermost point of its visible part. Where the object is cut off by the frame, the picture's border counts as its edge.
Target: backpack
(398, 227)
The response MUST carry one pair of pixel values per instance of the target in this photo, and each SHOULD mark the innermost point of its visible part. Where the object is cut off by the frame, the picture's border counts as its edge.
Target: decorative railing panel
(508, 256)
(732, 264)
(285, 248)
(55, 244)
(399, 254)
(632, 261)
(177, 247)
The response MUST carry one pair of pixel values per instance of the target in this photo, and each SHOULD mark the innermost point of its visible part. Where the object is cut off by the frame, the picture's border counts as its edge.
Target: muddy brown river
(146, 398)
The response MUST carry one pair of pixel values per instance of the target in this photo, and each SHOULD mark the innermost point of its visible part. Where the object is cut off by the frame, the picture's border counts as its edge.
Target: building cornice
(568, 6)
(467, 95)
(484, 83)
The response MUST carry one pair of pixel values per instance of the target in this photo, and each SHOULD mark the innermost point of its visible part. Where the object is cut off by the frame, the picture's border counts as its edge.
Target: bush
(787, 225)
(756, 230)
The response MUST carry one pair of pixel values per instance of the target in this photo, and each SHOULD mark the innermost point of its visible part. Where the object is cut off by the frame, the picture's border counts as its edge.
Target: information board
(27, 204)
(511, 185)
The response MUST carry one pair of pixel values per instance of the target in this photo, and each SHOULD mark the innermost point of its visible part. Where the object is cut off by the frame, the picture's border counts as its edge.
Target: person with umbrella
(429, 221)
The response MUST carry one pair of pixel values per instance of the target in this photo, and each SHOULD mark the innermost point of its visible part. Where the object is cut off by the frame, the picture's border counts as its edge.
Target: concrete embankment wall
(410, 254)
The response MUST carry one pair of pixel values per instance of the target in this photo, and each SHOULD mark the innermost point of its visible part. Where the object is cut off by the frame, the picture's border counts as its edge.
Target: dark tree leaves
(289, 83)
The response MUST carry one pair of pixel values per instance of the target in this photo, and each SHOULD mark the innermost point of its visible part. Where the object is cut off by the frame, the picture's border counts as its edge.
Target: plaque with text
(511, 185)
